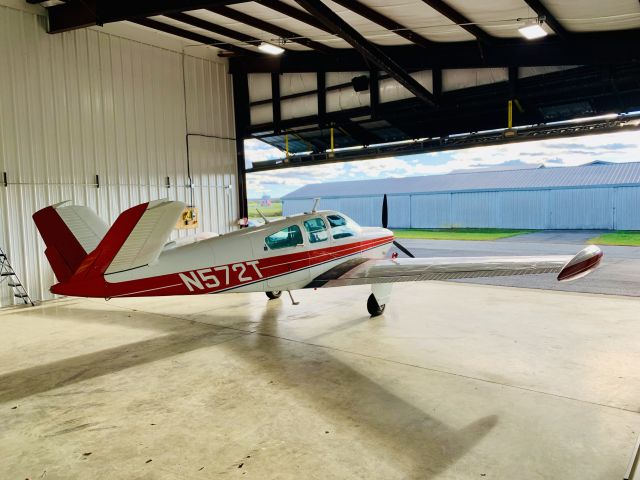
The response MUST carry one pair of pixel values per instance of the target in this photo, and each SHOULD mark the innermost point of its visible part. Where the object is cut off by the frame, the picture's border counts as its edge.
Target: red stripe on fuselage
(173, 284)
(95, 264)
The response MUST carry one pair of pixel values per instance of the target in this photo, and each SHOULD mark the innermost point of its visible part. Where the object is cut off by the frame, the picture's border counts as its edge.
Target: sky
(610, 147)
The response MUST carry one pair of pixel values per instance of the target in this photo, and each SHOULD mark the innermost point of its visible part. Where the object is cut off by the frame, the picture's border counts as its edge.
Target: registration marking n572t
(206, 278)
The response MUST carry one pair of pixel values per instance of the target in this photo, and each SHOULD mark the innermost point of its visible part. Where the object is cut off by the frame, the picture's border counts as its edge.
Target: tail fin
(70, 233)
(135, 239)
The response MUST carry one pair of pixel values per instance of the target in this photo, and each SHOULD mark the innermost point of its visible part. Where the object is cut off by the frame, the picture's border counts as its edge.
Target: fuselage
(285, 254)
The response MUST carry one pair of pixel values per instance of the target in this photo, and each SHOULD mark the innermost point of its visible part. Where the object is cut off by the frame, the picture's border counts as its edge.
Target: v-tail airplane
(318, 249)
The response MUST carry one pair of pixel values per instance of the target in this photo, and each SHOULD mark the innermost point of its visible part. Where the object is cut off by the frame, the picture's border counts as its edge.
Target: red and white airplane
(134, 257)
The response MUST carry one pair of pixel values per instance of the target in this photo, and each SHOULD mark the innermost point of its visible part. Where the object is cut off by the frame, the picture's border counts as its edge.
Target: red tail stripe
(62, 246)
(99, 260)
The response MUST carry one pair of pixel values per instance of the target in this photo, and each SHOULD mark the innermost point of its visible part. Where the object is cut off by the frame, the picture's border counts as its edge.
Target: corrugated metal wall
(581, 208)
(430, 211)
(611, 208)
(364, 210)
(82, 103)
(627, 208)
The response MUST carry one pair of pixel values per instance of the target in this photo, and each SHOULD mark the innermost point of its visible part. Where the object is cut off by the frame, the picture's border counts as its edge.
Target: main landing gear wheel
(274, 295)
(373, 307)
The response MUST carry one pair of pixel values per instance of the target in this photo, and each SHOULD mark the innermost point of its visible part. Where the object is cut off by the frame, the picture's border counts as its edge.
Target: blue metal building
(593, 196)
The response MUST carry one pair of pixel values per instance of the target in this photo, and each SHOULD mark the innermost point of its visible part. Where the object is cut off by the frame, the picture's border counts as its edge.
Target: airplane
(317, 249)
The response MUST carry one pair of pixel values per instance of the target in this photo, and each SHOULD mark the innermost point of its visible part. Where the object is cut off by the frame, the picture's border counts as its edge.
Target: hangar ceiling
(426, 70)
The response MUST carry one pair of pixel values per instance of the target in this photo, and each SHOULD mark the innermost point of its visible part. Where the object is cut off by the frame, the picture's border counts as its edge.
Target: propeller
(385, 221)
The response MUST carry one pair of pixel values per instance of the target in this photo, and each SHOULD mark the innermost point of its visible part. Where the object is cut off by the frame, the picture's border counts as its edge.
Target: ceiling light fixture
(533, 30)
(270, 48)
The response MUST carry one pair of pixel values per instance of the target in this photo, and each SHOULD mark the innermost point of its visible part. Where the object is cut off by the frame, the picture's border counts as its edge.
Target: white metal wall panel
(581, 208)
(391, 90)
(474, 209)
(336, 78)
(343, 98)
(399, 211)
(367, 211)
(571, 208)
(259, 86)
(291, 83)
(522, 209)
(627, 208)
(431, 211)
(472, 77)
(346, 98)
(298, 107)
(261, 114)
(82, 103)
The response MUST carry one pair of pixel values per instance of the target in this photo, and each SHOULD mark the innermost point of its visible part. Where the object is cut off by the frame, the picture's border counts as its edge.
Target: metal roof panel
(541, 178)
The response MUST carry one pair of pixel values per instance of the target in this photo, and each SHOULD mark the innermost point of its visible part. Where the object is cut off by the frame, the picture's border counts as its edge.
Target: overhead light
(270, 48)
(533, 31)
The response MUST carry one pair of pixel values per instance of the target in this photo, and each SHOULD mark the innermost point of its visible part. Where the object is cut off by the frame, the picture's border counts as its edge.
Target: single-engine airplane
(134, 257)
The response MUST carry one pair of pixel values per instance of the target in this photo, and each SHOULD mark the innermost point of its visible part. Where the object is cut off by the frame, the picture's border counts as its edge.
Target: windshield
(342, 226)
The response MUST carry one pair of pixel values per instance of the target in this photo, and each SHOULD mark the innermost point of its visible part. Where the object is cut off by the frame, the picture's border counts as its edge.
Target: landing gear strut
(273, 295)
(373, 307)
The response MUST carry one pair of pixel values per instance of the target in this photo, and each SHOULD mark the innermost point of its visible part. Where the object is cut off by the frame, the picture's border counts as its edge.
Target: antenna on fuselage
(266, 220)
(316, 202)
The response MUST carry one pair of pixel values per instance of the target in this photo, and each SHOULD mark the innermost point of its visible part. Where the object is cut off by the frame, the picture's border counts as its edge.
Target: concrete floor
(453, 382)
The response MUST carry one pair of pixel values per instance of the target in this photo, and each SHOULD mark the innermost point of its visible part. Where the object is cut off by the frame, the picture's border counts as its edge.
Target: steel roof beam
(196, 37)
(79, 14)
(270, 28)
(385, 22)
(463, 22)
(444, 144)
(213, 28)
(359, 133)
(368, 50)
(295, 13)
(601, 48)
(552, 21)
(584, 84)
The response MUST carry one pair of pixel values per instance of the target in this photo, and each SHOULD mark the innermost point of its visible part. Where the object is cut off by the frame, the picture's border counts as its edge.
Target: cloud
(257, 151)
(614, 147)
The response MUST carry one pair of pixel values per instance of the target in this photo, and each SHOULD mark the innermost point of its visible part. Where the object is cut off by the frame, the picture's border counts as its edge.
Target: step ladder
(7, 273)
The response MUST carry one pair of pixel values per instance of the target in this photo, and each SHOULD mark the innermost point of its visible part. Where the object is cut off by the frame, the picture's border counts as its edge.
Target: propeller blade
(385, 212)
(404, 250)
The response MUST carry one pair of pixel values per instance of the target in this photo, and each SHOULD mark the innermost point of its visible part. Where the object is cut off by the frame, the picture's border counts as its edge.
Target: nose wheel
(373, 307)
(273, 295)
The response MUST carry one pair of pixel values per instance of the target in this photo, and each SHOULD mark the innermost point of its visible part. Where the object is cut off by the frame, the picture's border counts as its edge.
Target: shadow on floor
(42, 378)
(422, 445)
(419, 443)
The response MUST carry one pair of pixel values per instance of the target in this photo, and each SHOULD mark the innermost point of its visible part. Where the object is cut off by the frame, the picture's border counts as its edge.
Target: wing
(363, 271)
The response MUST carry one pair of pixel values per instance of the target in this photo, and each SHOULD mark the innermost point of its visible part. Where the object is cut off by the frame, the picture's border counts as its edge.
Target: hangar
(114, 104)
(591, 196)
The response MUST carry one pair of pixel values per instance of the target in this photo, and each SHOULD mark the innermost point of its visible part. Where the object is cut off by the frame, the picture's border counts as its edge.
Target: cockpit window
(316, 229)
(285, 238)
(340, 226)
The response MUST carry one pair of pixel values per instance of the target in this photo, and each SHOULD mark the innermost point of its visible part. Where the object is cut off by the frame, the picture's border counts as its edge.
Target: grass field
(630, 238)
(274, 210)
(459, 233)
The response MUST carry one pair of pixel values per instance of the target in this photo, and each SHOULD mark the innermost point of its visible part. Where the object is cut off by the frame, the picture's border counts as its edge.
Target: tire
(373, 307)
(273, 295)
